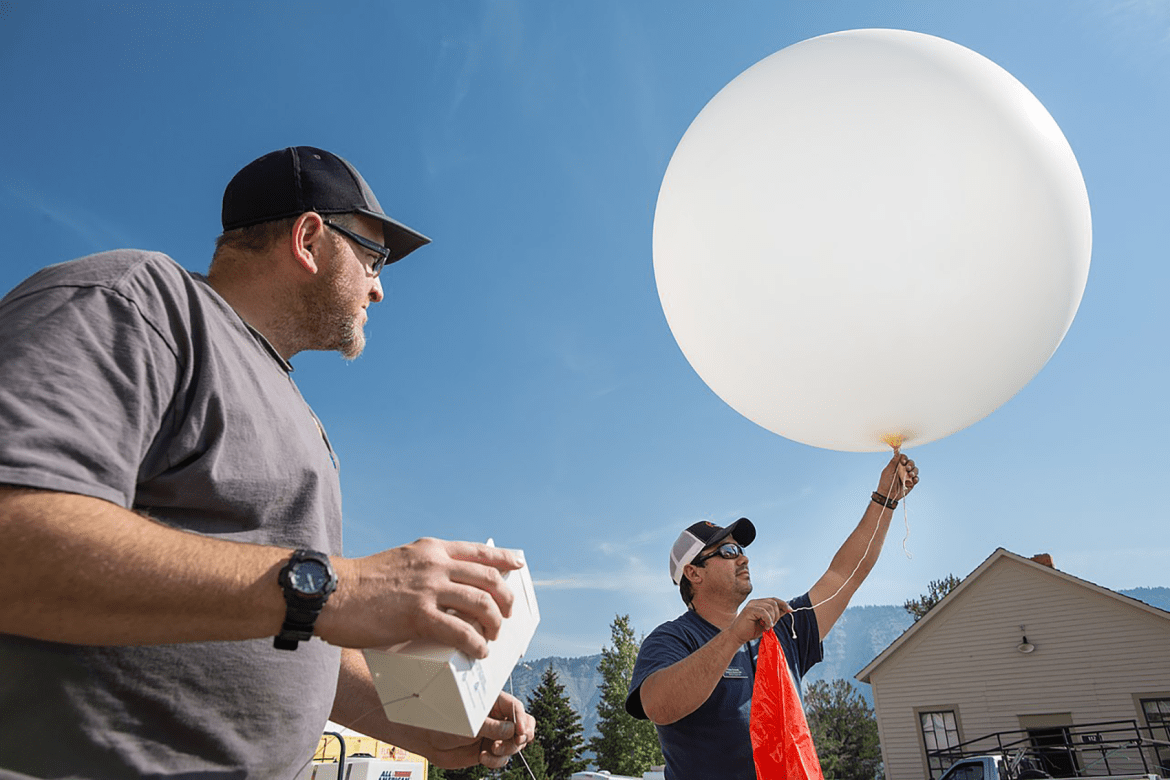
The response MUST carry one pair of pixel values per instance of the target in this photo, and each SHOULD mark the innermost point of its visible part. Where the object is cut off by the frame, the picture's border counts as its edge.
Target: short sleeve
(87, 382)
(661, 649)
(806, 650)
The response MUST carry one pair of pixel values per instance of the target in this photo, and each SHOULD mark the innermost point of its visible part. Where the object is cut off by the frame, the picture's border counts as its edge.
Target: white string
(516, 722)
(861, 560)
(906, 520)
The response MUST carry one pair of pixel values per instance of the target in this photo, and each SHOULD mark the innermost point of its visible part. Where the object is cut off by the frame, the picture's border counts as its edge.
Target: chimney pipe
(1044, 559)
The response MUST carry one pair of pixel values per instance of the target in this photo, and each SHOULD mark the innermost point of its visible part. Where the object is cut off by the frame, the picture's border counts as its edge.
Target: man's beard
(328, 325)
(352, 338)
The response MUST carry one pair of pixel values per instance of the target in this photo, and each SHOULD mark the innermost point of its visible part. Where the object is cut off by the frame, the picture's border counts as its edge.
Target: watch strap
(301, 611)
(292, 633)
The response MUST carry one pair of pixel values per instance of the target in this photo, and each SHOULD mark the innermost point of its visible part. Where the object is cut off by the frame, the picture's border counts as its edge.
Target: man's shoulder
(125, 289)
(803, 601)
(688, 625)
(120, 270)
(687, 618)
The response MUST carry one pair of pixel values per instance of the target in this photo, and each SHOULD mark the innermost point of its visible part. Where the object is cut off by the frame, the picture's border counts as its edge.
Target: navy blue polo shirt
(715, 739)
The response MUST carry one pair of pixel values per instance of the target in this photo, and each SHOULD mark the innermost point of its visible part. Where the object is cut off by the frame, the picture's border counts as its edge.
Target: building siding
(1093, 653)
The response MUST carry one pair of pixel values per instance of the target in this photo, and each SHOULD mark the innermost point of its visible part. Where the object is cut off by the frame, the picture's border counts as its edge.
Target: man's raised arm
(857, 556)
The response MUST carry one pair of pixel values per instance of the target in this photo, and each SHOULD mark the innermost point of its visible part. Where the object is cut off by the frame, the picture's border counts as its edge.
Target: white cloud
(1136, 28)
(94, 233)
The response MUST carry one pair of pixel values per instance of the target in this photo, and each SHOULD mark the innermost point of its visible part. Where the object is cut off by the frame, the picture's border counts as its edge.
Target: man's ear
(307, 233)
(693, 573)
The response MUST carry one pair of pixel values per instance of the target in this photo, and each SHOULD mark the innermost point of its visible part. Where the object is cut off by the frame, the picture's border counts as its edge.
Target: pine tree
(530, 760)
(844, 731)
(558, 727)
(938, 589)
(623, 745)
(477, 772)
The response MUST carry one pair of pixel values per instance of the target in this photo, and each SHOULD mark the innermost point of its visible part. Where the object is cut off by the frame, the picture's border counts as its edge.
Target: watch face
(309, 577)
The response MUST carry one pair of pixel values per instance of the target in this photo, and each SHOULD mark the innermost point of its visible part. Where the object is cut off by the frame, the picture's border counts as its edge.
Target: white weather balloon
(870, 237)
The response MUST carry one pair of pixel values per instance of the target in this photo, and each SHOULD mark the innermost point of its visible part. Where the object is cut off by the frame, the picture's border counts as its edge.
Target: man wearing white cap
(694, 675)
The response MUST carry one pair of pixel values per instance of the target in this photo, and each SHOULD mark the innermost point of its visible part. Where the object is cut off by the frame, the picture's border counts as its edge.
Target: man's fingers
(496, 557)
(766, 612)
(450, 629)
(492, 761)
(475, 606)
(485, 579)
(496, 730)
(899, 476)
(506, 707)
(769, 611)
(449, 592)
(506, 731)
(909, 473)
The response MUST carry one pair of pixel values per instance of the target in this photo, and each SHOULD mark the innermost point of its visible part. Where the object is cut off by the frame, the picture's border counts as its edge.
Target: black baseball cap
(289, 182)
(704, 534)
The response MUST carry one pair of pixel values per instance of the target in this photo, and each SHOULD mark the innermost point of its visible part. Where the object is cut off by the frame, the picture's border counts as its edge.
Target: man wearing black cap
(171, 506)
(694, 675)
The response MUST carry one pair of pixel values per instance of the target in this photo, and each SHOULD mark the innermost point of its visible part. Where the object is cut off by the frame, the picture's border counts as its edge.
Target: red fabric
(781, 743)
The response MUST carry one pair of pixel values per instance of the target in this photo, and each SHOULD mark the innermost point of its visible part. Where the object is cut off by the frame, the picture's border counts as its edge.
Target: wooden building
(1021, 646)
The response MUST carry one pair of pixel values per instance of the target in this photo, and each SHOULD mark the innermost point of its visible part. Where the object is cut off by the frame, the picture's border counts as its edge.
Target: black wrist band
(889, 503)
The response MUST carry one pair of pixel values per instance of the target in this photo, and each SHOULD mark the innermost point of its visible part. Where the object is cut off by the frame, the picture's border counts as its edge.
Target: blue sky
(520, 380)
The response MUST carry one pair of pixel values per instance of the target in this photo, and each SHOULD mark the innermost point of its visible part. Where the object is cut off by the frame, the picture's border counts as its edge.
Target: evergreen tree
(530, 765)
(477, 772)
(938, 589)
(844, 731)
(623, 745)
(558, 727)
(515, 770)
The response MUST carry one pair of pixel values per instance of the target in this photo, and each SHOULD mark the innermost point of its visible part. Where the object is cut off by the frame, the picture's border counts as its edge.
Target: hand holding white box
(425, 684)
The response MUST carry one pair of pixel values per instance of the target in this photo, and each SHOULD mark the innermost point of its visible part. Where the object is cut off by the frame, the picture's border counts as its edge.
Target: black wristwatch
(307, 580)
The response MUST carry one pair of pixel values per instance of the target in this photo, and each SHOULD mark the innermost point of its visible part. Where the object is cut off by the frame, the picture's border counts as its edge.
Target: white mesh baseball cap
(704, 534)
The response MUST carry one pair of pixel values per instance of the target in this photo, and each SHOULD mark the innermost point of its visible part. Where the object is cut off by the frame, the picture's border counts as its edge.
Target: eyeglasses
(728, 550)
(382, 252)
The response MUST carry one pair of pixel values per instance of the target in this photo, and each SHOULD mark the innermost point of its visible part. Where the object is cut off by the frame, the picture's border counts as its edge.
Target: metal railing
(1119, 747)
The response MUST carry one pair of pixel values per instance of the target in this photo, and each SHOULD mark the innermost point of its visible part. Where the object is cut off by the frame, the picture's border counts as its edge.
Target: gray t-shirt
(126, 378)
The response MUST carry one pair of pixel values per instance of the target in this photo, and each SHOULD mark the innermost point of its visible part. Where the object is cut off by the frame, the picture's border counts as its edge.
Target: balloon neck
(894, 440)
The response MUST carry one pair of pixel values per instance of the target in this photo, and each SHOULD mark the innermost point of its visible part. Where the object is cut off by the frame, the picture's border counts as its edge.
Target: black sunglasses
(728, 550)
(382, 252)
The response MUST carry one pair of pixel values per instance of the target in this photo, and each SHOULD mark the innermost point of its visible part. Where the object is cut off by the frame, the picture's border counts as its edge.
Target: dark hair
(261, 236)
(254, 238)
(685, 589)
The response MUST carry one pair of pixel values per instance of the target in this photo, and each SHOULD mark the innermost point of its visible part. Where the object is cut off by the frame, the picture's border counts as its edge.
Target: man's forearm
(862, 547)
(681, 688)
(857, 556)
(85, 571)
(850, 566)
(90, 572)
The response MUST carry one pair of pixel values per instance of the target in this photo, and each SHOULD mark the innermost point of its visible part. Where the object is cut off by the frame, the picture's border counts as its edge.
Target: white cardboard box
(422, 683)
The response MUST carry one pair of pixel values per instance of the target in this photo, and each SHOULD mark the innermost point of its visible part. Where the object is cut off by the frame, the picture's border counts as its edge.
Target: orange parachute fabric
(781, 743)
